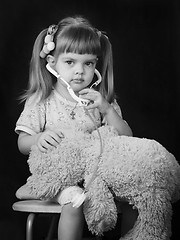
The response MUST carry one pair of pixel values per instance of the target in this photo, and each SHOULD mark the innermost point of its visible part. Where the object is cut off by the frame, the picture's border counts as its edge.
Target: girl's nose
(79, 69)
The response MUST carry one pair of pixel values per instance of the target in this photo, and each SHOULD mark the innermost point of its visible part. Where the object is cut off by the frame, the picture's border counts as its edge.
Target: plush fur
(140, 171)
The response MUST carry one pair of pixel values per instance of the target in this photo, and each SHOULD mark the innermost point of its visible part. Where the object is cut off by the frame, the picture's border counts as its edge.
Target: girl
(67, 102)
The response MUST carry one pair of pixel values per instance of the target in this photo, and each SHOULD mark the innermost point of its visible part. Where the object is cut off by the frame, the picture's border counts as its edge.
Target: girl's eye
(90, 64)
(69, 62)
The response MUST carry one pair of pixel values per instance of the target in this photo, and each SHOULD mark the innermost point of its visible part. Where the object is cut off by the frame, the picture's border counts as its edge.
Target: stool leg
(52, 227)
(29, 226)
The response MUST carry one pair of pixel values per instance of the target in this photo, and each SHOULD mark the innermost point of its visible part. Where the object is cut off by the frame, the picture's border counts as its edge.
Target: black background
(145, 36)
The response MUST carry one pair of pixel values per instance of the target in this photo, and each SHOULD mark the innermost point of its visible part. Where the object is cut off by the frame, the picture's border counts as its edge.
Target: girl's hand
(48, 140)
(96, 100)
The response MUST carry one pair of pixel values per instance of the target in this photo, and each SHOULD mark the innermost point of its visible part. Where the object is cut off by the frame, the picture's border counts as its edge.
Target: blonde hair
(76, 35)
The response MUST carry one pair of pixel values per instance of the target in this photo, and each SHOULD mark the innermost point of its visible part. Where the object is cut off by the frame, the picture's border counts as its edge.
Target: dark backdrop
(145, 35)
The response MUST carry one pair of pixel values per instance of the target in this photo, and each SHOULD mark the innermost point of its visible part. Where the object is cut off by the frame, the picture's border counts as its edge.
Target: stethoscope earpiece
(51, 70)
(99, 79)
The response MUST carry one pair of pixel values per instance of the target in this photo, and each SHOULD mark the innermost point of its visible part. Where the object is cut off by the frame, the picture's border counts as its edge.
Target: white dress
(57, 113)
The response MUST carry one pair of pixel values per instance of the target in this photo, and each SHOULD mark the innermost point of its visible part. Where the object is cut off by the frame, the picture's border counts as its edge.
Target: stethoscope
(81, 101)
(79, 198)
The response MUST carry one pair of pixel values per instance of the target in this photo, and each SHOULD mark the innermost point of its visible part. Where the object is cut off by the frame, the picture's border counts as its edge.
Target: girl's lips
(78, 80)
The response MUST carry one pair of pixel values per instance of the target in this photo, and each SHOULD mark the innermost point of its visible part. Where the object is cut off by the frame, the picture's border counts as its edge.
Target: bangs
(78, 40)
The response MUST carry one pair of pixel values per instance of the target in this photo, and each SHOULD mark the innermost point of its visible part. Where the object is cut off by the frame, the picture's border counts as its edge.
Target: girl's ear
(51, 60)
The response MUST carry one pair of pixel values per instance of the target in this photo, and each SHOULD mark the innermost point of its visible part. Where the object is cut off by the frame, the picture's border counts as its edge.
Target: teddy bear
(137, 170)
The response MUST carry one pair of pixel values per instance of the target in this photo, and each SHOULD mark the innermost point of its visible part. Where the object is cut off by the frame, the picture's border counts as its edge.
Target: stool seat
(34, 208)
(37, 206)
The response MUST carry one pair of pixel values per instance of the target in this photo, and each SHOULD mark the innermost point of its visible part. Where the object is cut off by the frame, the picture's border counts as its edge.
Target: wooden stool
(34, 207)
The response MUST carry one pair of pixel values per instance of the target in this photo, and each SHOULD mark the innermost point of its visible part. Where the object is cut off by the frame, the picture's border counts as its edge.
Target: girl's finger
(90, 96)
(56, 136)
(92, 105)
(60, 134)
(87, 91)
(41, 147)
(84, 91)
(51, 141)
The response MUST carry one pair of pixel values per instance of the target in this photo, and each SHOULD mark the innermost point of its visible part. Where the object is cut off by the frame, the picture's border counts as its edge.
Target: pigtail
(107, 88)
(40, 81)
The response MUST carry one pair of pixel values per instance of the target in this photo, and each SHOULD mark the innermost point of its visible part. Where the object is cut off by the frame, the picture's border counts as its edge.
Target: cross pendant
(72, 114)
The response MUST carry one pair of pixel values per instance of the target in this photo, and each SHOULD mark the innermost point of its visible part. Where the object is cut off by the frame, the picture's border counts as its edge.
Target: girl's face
(76, 69)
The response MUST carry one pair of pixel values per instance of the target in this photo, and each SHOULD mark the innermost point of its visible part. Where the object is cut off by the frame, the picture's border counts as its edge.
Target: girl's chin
(78, 88)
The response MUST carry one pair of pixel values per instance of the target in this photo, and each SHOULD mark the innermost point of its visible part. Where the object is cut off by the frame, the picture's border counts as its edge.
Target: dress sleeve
(33, 117)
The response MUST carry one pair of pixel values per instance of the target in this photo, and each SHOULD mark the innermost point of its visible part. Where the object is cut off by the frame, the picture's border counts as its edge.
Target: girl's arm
(46, 140)
(25, 142)
(111, 116)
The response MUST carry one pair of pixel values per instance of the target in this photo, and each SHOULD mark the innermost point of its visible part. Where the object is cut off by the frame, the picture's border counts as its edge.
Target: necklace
(72, 113)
